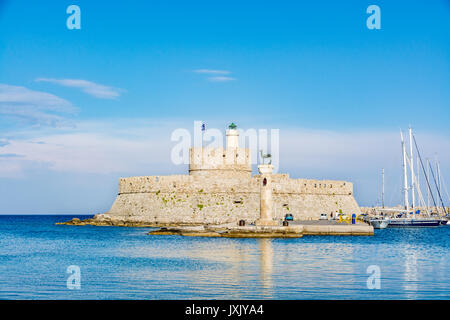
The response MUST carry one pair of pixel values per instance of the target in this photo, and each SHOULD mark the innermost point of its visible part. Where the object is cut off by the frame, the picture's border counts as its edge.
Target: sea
(42, 260)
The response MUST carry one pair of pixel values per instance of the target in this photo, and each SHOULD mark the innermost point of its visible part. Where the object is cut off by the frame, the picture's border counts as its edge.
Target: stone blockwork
(193, 199)
(220, 189)
(208, 161)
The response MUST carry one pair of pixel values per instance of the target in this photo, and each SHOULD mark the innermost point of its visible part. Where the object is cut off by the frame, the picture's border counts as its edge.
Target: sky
(80, 108)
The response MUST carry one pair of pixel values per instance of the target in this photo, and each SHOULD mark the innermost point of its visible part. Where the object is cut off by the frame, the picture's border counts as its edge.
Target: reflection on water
(266, 254)
(411, 273)
(240, 264)
(126, 263)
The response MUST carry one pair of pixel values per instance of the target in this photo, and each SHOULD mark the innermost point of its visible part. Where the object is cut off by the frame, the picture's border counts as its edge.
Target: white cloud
(216, 75)
(10, 155)
(36, 107)
(3, 143)
(221, 79)
(353, 149)
(92, 147)
(211, 71)
(16, 95)
(91, 88)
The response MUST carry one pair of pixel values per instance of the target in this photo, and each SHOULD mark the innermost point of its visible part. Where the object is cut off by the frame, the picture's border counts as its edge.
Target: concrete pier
(297, 230)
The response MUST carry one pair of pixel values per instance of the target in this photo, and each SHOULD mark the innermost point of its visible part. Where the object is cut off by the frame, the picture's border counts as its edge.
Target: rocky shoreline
(107, 221)
(232, 230)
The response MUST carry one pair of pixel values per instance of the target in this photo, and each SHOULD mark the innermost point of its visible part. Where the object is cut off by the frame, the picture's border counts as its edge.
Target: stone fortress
(220, 189)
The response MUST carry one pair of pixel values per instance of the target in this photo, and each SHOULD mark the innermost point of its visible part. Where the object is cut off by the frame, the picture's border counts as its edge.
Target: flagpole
(382, 192)
(203, 132)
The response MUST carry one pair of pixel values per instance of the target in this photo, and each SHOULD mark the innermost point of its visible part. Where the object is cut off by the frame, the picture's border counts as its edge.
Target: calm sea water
(126, 263)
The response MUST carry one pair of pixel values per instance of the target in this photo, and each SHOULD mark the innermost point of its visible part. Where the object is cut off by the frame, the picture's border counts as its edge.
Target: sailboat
(411, 216)
(379, 221)
(446, 217)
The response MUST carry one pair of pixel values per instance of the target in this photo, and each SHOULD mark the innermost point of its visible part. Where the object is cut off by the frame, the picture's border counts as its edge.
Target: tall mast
(418, 174)
(419, 192)
(382, 192)
(413, 196)
(428, 187)
(405, 177)
(439, 175)
(438, 169)
(437, 185)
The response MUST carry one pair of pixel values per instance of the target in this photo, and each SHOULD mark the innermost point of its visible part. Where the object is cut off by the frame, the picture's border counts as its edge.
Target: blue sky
(132, 74)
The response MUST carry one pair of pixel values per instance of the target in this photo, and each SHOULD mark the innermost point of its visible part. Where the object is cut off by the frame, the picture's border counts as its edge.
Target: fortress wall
(198, 199)
(206, 160)
(230, 183)
(283, 184)
(217, 157)
(307, 186)
(224, 207)
(186, 199)
(189, 208)
(187, 184)
(310, 206)
(150, 183)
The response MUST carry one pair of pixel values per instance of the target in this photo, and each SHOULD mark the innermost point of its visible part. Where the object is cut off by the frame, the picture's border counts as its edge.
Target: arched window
(264, 182)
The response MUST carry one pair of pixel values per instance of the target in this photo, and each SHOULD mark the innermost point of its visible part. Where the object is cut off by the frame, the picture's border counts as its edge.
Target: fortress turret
(231, 161)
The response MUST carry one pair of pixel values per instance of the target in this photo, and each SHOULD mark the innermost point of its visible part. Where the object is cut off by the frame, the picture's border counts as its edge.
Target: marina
(411, 215)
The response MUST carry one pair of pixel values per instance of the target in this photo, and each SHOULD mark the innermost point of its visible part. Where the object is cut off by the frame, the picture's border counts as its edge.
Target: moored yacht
(411, 222)
(379, 223)
(414, 218)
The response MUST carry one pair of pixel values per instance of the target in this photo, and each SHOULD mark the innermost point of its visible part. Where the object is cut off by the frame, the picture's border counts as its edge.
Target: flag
(203, 127)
